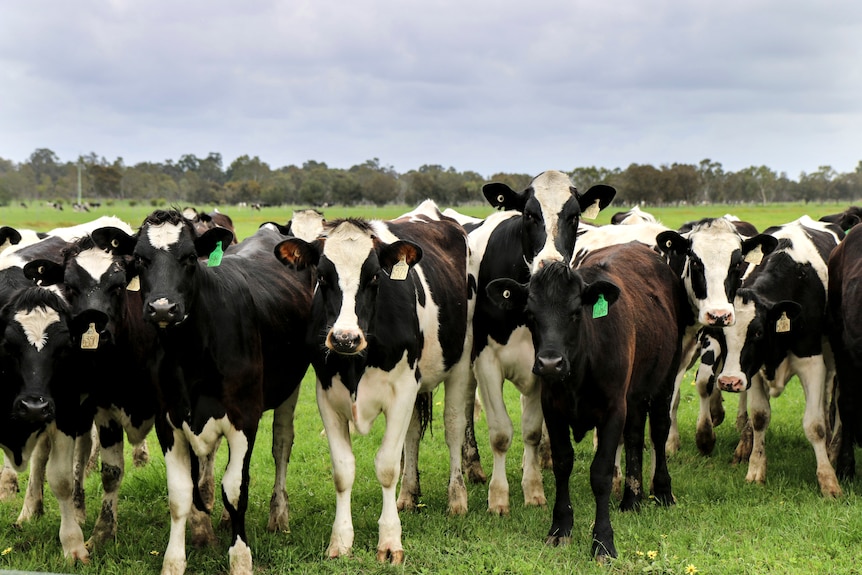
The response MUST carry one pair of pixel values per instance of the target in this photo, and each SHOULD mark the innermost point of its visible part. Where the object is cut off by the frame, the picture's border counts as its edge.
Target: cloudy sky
(484, 85)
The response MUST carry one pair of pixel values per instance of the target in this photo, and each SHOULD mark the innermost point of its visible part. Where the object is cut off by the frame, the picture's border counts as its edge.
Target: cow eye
(191, 259)
(141, 261)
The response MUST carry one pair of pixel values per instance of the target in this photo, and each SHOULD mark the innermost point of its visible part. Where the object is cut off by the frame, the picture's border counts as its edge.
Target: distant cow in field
(389, 323)
(846, 219)
(202, 221)
(231, 344)
(607, 338)
(633, 216)
(780, 331)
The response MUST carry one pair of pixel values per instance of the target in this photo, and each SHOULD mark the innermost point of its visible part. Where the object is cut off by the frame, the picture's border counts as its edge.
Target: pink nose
(719, 318)
(730, 383)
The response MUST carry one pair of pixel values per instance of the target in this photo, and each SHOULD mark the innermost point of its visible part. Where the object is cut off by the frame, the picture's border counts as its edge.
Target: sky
(490, 86)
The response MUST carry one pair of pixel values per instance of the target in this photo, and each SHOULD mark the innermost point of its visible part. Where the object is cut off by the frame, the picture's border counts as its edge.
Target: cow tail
(424, 402)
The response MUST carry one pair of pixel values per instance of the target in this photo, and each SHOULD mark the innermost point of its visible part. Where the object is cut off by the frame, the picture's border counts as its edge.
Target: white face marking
(35, 324)
(163, 236)
(347, 247)
(95, 262)
(714, 245)
(552, 191)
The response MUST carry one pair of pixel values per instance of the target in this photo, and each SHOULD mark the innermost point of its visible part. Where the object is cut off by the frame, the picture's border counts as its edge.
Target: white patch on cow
(163, 236)
(347, 247)
(593, 238)
(95, 262)
(72, 233)
(735, 337)
(306, 224)
(35, 324)
(423, 212)
(207, 440)
(552, 190)
(803, 250)
(714, 243)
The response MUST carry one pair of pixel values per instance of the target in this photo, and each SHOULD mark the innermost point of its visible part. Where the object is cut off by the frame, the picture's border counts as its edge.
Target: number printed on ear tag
(215, 256)
(399, 271)
(90, 339)
(783, 323)
(600, 308)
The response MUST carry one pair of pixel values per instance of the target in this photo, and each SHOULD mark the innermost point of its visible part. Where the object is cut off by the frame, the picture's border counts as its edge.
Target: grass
(720, 524)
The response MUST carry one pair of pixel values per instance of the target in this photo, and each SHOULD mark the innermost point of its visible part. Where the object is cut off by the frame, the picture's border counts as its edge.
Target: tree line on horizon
(190, 179)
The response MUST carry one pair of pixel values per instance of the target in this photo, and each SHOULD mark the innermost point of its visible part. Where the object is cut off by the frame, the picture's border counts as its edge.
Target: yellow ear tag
(134, 285)
(783, 323)
(592, 212)
(755, 256)
(215, 257)
(90, 339)
(600, 308)
(399, 270)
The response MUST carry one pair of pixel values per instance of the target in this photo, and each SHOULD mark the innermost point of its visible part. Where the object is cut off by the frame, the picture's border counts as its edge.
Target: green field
(720, 524)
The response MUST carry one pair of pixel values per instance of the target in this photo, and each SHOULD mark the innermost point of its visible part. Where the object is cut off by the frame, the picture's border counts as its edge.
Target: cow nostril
(548, 364)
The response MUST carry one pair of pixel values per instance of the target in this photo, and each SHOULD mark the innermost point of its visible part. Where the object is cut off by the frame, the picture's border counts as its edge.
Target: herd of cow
(595, 326)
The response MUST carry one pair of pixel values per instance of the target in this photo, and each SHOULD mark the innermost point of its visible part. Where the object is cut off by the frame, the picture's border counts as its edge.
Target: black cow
(540, 226)
(607, 337)
(231, 345)
(780, 331)
(846, 219)
(845, 335)
(389, 323)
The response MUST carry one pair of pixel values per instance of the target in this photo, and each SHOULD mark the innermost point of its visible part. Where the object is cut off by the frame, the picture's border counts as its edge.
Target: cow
(780, 331)
(389, 322)
(633, 216)
(846, 219)
(607, 338)
(845, 335)
(538, 225)
(231, 333)
(710, 256)
(202, 221)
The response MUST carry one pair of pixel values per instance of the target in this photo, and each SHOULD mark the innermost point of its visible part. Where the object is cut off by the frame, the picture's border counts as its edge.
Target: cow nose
(345, 341)
(730, 383)
(550, 364)
(162, 312)
(719, 318)
(35, 409)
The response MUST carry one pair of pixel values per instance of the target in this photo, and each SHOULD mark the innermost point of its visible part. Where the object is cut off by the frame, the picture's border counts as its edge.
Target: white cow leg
(458, 391)
(813, 377)
(282, 445)
(500, 430)
(235, 496)
(760, 414)
(343, 476)
(387, 463)
(178, 468)
(531, 427)
(408, 496)
(705, 432)
(59, 471)
(113, 469)
(83, 462)
(673, 442)
(8, 481)
(34, 494)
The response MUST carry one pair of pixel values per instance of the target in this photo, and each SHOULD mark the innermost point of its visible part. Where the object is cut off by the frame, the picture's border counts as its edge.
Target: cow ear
(765, 242)
(503, 197)
(114, 240)
(402, 250)
(591, 292)
(671, 242)
(507, 294)
(44, 272)
(600, 195)
(207, 241)
(298, 253)
(780, 316)
(10, 235)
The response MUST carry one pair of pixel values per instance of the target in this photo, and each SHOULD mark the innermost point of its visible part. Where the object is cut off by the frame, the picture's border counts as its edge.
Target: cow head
(167, 259)
(352, 264)
(551, 209)
(553, 301)
(710, 259)
(756, 338)
(34, 350)
(94, 283)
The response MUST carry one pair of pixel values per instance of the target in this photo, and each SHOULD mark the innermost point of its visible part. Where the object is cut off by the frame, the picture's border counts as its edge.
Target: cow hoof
(395, 557)
(499, 510)
(705, 442)
(557, 541)
(536, 501)
(476, 475)
(80, 554)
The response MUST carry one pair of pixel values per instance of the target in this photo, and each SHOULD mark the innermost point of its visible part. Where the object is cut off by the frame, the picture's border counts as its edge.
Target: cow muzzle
(34, 409)
(549, 365)
(163, 313)
(718, 318)
(346, 341)
(732, 383)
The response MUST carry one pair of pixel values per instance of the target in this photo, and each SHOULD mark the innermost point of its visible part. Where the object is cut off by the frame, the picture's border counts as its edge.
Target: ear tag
(592, 212)
(399, 270)
(500, 198)
(90, 339)
(600, 308)
(134, 284)
(215, 257)
(755, 256)
(783, 323)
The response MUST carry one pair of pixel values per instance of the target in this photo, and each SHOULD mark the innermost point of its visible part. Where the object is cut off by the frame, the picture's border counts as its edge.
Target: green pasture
(720, 524)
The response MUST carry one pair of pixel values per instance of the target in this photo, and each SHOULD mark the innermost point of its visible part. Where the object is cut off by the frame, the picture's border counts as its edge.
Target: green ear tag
(600, 308)
(215, 256)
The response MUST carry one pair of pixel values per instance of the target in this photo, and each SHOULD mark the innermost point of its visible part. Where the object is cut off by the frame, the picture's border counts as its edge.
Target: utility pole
(79, 182)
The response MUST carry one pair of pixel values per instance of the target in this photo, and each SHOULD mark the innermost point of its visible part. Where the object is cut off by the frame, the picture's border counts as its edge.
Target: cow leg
(113, 467)
(203, 497)
(470, 460)
(563, 457)
(761, 413)
(500, 429)
(92, 462)
(34, 494)
(458, 394)
(690, 348)
(234, 494)
(633, 436)
(545, 449)
(660, 483)
(83, 456)
(343, 475)
(706, 389)
(408, 496)
(813, 375)
(532, 421)
(59, 471)
(178, 470)
(282, 445)
(8, 481)
(141, 454)
(743, 426)
(601, 480)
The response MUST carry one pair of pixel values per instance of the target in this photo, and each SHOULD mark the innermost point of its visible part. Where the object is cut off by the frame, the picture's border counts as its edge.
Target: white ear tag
(90, 339)
(592, 212)
(783, 323)
(399, 270)
(755, 256)
(134, 285)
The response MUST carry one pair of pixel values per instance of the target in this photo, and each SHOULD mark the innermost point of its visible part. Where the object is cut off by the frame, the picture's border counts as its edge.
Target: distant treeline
(207, 181)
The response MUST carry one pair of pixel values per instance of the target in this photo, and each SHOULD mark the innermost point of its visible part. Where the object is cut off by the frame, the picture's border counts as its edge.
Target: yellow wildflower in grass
(154, 553)
(690, 569)
(7, 551)
(639, 553)
(652, 554)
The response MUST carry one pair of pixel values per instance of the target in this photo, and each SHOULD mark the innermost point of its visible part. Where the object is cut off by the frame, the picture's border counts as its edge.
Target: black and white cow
(389, 323)
(607, 337)
(540, 226)
(845, 335)
(780, 331)
(846, 219)
(231, 345)
(633, 216)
